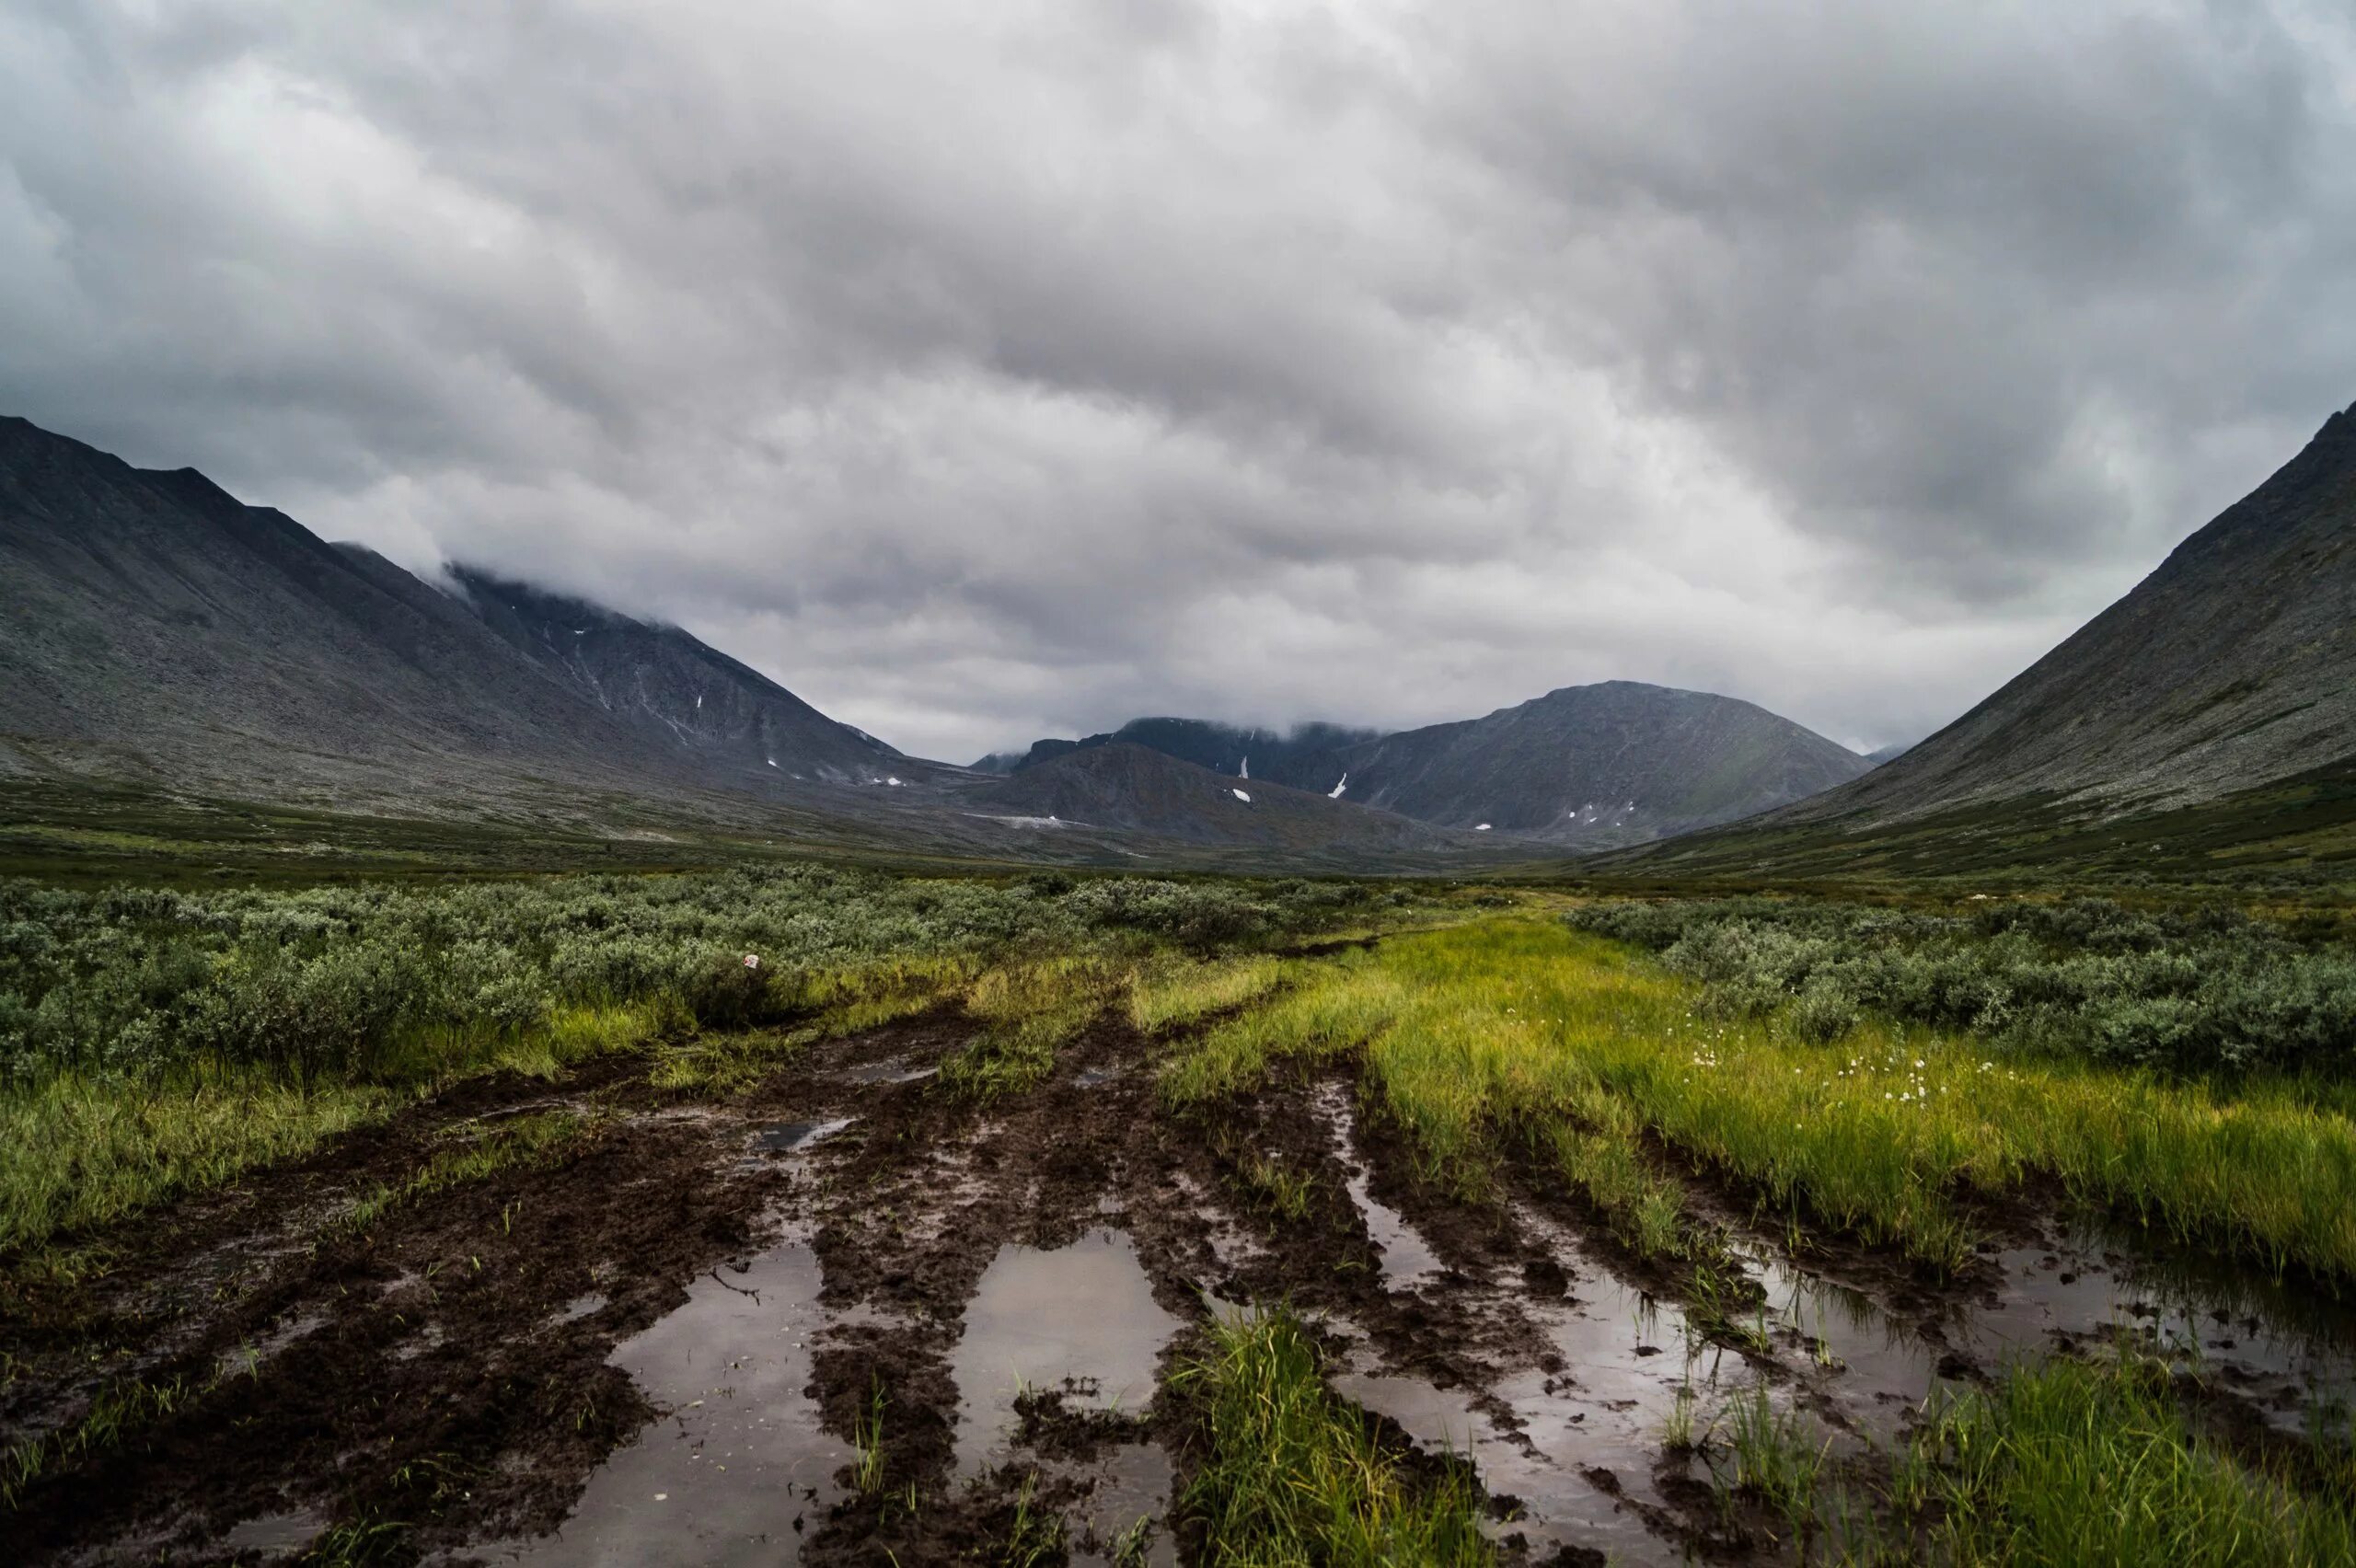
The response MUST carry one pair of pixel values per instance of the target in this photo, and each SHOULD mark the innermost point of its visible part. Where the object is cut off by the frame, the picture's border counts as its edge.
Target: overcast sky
(986, 371)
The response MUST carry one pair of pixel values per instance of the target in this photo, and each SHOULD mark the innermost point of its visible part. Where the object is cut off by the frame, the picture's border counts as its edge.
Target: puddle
(1094, 1078)
(580, 1307)
(891, 1069)
(2284, 1348)
(785, 1137)
(1579, 1467)
(739, 1468)
(1134, 1482)
(1081, 1317)
(1877, 1370)
(1408, 1261)
(275, 1537)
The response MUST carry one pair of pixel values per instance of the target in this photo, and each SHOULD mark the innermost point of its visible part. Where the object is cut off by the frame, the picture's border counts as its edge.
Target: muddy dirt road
(849, 1317)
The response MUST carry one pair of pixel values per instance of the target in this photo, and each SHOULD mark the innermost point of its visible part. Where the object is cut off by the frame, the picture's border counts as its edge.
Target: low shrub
(2207, 990)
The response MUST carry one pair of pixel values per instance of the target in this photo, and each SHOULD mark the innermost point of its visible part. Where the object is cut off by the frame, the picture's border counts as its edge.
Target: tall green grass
(76, 1152)
(1474, 1030)
(1172, 991)
(1290, 1475)
(1027, 1013)
(2077, 1465)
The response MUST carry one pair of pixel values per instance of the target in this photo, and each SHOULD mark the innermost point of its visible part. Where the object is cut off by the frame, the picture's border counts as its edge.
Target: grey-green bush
(334, 980)
(2209, 990)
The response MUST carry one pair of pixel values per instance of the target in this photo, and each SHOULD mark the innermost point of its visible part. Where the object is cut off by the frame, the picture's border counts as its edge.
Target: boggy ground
(931, 1329)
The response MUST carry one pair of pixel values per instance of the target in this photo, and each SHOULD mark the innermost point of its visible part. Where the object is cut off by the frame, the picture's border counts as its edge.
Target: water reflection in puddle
(1081, 1317)
(1082, 1320)
(1408, 1261)
(1133, 1482)
(1578, 1452)
(739, 1468)
(786, 1137)
(580, 1307)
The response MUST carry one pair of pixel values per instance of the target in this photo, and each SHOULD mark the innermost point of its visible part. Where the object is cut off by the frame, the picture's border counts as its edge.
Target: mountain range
(161, 633)
(1618, 762)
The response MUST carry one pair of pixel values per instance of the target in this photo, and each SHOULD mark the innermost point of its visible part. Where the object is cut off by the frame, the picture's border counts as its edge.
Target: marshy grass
(1289, 1473)
(78, 1152)
(1476, 1029)
(1776, 1455)
(1275, 1187)
(1321, 1008)
(81, 1150)
(811, 1006)
(1172, 991)
(118, 1412)
(2077, 1463)
(1027, 1013)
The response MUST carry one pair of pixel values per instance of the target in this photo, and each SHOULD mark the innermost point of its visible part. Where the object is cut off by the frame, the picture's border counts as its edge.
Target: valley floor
(1486, 1241)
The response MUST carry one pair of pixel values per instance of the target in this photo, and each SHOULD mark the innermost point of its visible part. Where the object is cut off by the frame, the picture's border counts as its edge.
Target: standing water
(738, 1470)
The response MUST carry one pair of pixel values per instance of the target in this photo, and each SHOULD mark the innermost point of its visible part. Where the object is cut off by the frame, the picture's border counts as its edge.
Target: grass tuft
(1291, 1474)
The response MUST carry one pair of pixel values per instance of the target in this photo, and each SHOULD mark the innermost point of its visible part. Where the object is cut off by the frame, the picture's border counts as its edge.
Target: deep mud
(848, 1317)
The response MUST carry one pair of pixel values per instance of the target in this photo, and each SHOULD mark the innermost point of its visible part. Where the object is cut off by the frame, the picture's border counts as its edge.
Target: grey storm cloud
(985, 372)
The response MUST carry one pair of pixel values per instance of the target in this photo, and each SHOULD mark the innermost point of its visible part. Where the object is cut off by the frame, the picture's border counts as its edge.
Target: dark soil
(441, 1379)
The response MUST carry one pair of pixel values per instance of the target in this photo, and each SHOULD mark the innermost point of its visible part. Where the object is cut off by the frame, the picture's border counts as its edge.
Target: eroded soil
(849, 1317)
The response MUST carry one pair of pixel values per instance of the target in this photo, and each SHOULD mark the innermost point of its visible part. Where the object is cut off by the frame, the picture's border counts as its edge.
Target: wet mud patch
(738, 1467)
(941, 1330)
(437, 1373)
(440, 1380)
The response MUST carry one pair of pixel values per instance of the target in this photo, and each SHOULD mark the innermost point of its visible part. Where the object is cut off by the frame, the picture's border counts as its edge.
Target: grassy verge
(79, 1151)
(830, 1003)
(2075, 1463)
(1171, 992)
(1291, 1474)
(1471, 1030)
(1028, 1012)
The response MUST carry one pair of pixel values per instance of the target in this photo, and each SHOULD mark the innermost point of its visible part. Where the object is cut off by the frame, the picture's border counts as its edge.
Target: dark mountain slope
(159, 631)
(1615, 762)
(674, 691)
(159, 628)
(1134, 788)
(2232, 665)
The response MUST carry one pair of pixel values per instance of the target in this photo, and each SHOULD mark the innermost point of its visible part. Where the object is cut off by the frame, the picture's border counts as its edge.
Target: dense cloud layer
(988, 370)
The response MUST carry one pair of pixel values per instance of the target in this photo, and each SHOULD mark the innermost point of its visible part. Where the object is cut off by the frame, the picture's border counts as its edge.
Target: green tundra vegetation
(154, 1040)
(1506, 1034)
(2194, 991)
(1887, 1076)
